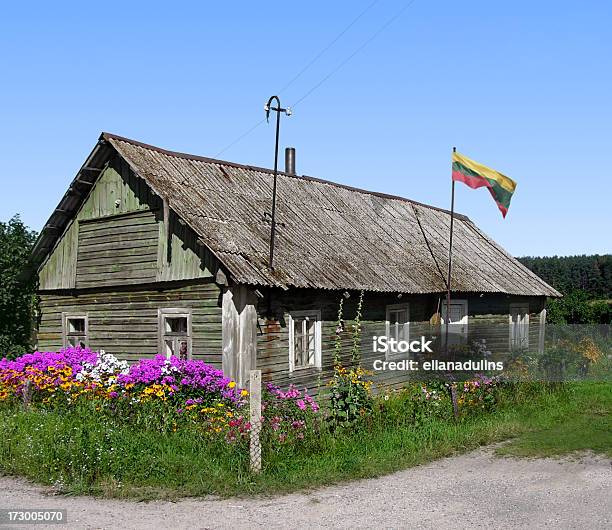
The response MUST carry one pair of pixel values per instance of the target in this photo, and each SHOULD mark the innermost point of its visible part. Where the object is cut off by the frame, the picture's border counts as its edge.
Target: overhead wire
(301, 72)
(322, 52)
(335, 70)
(361, 47)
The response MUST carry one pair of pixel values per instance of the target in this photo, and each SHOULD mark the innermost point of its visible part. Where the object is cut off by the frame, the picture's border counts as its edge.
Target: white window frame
(464, 321)
(406, 326)
(522, 310)
(66, 332)
(316, 315)
(174, 312)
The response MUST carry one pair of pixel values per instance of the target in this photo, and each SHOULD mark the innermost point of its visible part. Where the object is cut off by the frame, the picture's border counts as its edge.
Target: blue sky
(523, 86)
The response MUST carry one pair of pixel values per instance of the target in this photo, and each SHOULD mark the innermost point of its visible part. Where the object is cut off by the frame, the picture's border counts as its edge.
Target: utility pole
(278, 109)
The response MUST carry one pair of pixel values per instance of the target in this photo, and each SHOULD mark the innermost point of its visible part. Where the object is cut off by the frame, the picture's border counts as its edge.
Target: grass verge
(81, 454)
(586, 425)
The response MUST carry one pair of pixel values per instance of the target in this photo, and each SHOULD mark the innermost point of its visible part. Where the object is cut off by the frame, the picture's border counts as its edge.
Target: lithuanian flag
(476, 175)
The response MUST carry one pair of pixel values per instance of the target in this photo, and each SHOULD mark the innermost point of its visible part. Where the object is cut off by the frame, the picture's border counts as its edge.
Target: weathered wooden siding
(273, 334)
(487, 317)
(59, 270)
(125, 323)
(106, 213)
(116, 191)
(187, 259)
(117, 250)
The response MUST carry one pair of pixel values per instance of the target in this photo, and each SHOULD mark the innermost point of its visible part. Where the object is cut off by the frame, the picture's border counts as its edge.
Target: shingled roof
(329, 236)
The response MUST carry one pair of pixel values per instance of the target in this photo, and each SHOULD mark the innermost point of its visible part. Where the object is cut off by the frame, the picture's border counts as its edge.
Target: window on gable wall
(175, 332)
(75, 330)
(304, 340)
(519, 326)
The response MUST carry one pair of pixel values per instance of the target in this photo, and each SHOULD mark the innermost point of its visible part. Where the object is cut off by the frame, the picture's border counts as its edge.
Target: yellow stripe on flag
(505, 182)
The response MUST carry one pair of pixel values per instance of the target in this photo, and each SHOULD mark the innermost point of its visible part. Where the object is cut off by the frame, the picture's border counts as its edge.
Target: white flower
(106, 369)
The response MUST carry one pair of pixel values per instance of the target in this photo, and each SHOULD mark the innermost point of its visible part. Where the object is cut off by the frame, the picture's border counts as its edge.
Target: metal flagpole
(450, 262)
(453, 390)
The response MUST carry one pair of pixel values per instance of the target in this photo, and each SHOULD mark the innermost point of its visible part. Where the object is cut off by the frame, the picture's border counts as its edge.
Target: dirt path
(473, 490)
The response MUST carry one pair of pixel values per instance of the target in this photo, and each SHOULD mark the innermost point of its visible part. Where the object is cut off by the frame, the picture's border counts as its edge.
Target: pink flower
(301, 405)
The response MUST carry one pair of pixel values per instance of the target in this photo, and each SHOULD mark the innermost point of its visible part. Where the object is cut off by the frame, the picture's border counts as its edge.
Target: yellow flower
(231, 384)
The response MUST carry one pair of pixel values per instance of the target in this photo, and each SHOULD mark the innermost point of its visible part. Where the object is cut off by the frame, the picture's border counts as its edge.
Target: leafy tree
(576, 308)
(584, 281)
(17, 291)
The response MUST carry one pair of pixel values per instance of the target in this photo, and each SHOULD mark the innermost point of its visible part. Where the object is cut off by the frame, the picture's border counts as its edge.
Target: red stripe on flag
(471, 181)
(479, 182)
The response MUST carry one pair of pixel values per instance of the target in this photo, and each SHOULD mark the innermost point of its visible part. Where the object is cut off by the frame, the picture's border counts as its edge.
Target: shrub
(290, 415)
(576, 308)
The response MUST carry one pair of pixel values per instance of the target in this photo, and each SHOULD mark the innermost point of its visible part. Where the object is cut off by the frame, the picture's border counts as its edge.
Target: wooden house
(153, 251)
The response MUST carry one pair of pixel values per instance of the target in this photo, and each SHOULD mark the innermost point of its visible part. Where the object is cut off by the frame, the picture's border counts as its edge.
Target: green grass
(586, 426)
(81, 453)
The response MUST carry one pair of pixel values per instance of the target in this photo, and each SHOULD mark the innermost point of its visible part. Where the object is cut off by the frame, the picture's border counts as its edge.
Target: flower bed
(158, 393)
(58, 377)
(172, 394)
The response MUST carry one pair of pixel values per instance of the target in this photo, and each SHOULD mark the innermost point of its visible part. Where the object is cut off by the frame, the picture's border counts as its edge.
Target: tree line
(584, 281)
(590, 274)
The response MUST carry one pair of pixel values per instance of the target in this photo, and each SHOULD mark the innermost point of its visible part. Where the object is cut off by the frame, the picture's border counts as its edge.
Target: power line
(318, 55)
(246, 133)
(330, 74)
(363, 45)
(301, 72)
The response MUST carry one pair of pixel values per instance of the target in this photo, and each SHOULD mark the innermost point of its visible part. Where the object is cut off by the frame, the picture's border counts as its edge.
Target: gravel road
(473, 490)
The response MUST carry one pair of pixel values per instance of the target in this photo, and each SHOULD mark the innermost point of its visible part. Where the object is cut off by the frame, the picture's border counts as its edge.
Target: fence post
(541, 334)
(255, 410)
(27, 394)
(453, 393)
